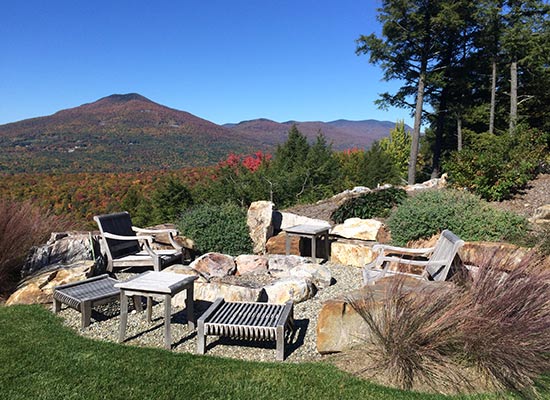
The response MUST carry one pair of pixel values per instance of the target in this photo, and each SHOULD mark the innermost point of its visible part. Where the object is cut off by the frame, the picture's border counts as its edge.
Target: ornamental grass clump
(492, 333)
(22, 225)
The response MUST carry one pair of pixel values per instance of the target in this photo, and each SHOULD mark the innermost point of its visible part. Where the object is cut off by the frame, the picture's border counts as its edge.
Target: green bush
(217, 228)
(369, 205)
(470, 217)
(494, 167)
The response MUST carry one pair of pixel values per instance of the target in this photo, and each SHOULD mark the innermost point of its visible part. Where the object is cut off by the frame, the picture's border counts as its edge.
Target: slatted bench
(247, 321)
(86, 294)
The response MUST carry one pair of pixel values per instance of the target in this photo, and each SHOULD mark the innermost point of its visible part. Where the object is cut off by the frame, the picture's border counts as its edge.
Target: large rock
(362, 229)
(259, 224)
(61, 248)
(289, 289)
(184, 270)
(210, 291)
(541, 215)
(340, 327)
(502, 255)
(39, 288)
(251, 264)
(318, 274)
(280, 264)
(352, 252)
(286, 220)
(214, 264)
(277, 244)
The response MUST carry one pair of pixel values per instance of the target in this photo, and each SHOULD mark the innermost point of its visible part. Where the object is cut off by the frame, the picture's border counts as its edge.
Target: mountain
(343, 134)
(128, 132)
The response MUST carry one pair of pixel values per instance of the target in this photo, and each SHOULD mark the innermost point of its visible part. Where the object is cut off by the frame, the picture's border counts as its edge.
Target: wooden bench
(84, 295)
(248, 321)
(436, 264)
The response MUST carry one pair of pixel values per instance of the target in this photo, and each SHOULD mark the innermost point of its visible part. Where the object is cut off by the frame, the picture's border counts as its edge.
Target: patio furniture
(247, 321)
(150, 284)
(84, 295)
(311, 232)
(124, 248)
(436, 264)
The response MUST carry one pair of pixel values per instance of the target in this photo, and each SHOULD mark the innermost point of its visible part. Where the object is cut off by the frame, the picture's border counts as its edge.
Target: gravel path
(142, 333)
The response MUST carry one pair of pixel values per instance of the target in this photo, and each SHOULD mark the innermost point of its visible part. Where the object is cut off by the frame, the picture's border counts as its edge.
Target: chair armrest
(120, 237)
(153, 231)
(405, 250)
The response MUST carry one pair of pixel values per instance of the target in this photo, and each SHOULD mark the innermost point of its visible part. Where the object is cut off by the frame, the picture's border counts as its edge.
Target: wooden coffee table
(311, 232)
(153, 283)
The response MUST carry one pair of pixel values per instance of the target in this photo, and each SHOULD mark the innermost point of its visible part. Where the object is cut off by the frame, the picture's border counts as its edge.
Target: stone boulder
(496, 254)
(38, 289)
(280, 265)
(277, 244)
(210, 291)
(259, 224)
(340, 327)
(362, 229)
(352, 252)
(251, 264)
(62, 248)
(286, 220)
(214, 264)
(541, 215)
(289, 289)
(318, 274)
(184, 270)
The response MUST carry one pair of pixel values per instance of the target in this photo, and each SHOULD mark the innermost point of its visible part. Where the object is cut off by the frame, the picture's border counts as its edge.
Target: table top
(307, 229)
(158, 282)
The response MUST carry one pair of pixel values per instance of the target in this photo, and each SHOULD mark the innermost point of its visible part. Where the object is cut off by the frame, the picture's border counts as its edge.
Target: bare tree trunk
(493, 97)
(459, 132)
(513, 96)
(416, 130)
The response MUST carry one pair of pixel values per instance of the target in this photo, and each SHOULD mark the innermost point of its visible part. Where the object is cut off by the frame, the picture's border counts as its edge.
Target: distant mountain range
(130, 133)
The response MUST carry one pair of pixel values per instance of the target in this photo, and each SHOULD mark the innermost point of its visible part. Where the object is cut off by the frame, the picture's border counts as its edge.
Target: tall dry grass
(493, 332)
(22, 225)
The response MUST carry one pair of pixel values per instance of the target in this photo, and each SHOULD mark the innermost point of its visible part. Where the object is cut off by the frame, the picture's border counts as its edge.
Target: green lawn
(41, 359)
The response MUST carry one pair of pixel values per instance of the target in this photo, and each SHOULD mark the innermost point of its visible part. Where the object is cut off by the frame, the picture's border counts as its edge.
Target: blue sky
(225, 61)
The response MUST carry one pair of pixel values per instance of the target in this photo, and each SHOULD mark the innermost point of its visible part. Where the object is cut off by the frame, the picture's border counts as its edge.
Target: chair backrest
(118, 224)
(443, 255)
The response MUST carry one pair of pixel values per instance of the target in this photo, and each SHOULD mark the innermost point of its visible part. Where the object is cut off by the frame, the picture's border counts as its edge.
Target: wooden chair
(436, 264)
(124, 248)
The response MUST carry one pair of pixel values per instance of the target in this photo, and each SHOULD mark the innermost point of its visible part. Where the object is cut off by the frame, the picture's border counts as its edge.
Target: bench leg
(86, 314)
(189, 305)
(280, 338)
(167, 315)
(314, 249)
(201, 339)
(56, 306)
(123, 315)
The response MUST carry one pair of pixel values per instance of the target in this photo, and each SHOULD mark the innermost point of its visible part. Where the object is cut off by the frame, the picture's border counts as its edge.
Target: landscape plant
(217, 228)
(375, 204)
(471, 218)
(493, 332)
(22, 225)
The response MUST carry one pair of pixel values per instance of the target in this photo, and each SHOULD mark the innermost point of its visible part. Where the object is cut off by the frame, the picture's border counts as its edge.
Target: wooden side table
(311, 232)
(153, 283)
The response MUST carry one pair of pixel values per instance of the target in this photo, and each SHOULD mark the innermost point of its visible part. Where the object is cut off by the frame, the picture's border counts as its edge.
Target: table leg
(167, 314)
(314, 249)
(327, 246)
(149, 308)
(189, 305)
(123, 315)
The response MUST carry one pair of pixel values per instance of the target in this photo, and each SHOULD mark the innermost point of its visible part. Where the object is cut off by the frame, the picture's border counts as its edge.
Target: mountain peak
(123, 98)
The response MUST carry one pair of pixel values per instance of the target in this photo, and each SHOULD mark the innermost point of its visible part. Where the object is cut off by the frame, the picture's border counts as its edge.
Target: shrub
(471, 218)
(217, 228)
(369, 205)
(22, 225)
(493, 333)
(494, 167)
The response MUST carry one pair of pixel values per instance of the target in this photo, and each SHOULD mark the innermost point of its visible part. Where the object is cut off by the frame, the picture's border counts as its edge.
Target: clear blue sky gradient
(225, 61)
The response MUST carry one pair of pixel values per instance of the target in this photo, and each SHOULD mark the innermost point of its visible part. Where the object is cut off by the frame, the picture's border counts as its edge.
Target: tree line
(466, 68)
